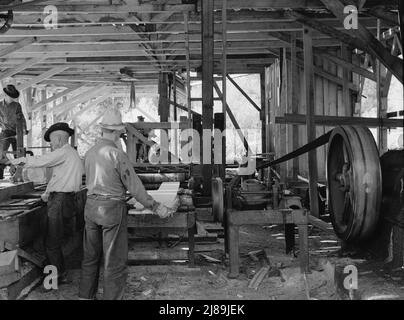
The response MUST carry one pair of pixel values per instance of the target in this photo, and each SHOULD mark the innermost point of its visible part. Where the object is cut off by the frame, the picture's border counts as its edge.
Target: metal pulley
(217, 199)
(354, 182)
(6, 20)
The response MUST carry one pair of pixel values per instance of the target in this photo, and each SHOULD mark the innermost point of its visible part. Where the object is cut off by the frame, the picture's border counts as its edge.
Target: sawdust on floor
(283, 282)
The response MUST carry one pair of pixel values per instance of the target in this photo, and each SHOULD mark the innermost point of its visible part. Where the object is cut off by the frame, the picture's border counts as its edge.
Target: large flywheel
(354, 182)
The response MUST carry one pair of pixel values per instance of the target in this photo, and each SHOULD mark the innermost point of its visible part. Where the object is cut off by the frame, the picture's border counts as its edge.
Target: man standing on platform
(109, 174)
(10, 112)
(67, 172)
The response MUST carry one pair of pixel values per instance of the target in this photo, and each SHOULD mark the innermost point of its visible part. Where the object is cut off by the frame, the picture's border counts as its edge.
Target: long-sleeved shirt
(8, 115)
(109, 173)
(67, 169)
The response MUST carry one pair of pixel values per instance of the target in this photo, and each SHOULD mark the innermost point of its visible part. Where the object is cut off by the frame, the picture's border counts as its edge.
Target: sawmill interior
(268, 133)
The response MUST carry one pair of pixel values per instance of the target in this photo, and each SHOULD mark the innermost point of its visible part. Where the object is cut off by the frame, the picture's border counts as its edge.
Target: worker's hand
(162, 211)
(18, 161)
(45, 197)
(13, 170)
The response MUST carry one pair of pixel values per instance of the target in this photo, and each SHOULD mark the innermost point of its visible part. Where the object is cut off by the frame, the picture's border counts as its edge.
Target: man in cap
(67, 172)
(109, 174)
(141, 148)
(10, 112)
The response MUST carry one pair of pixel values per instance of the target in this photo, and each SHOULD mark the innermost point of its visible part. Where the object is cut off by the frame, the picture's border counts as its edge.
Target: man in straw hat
(109, 174)
(10, 111)
(141, 148)
(67, 172)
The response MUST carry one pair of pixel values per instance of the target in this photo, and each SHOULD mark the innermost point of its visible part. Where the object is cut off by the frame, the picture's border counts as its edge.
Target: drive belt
(320, 141)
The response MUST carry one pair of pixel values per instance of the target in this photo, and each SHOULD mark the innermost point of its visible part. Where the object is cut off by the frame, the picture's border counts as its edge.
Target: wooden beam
(37, 79)
(319, 53)
(163, 106)
(348, 65)
(56, 96)
(310, 124)
(295, 94)
(92, 104)
(234, 121)
(346, 96)
(333, 121)
(207, 88)
(270, 216)
(18, 45)
(41, 77)
(244, 93)
(147, 115)
(19, 5)
(188, 66)
(29, 63)
(161, 125)
(381, 102)
(222, 168)
(183, 108)
(62, 107)
(110, 8)
(372, 45)
(385, 15)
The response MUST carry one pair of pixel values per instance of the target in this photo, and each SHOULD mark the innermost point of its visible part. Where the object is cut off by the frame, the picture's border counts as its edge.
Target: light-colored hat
(112, 120)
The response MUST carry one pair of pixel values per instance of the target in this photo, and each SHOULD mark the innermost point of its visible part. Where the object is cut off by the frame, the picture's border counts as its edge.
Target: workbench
(22, 227)
(183, 221)
(235, 219)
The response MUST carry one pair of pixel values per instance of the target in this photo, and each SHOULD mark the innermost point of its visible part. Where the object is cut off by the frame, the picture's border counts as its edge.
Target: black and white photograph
(202, 158)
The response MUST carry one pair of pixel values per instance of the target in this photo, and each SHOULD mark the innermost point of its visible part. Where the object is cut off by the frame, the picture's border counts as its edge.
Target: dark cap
(11, 91)
(58, 126)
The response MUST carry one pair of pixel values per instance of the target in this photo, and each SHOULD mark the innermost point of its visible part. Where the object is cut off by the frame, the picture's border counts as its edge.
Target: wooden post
(163, 99)
(188, 65)
(30, 101)
(310, 125)
(295, 89)
(219, 169)
(233, 242)
(207, 86)
(197, 126)
(381, 102)
(346, 79)
(222, 168)
(263, 115)
(175, 113)
(283, 106)
(303, 248)
(43, 118)
(164, 110)
(20, 135)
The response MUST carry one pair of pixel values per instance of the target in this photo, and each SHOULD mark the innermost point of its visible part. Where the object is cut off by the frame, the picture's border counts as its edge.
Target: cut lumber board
(4, 214)
(9, 262)
(8, 188)
(140, 237)
(15, 289)
(327, 227)
(258, 278)
(165, 254)
(7, 279)
(166, 194)
(210, 259)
